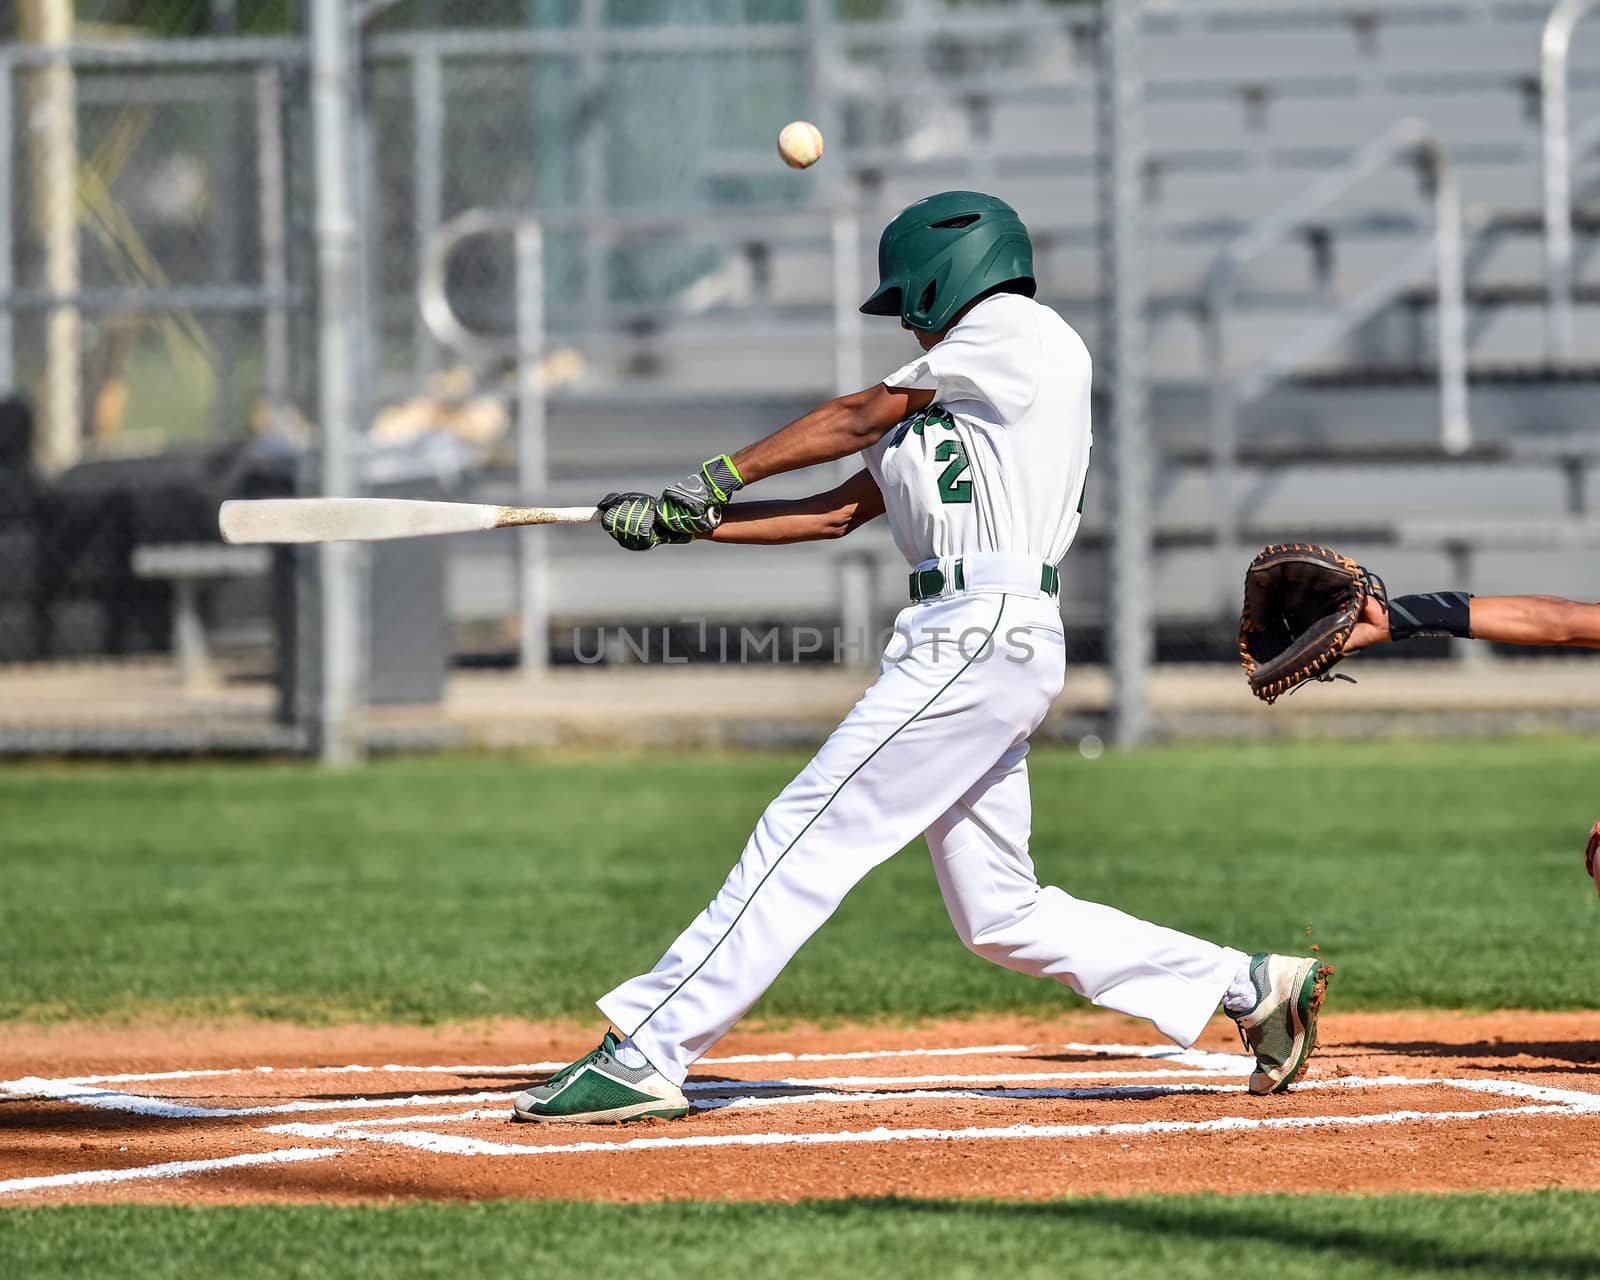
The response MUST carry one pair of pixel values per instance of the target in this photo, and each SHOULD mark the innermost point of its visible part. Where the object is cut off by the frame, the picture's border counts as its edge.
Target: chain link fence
(158, 334)
(157, 272)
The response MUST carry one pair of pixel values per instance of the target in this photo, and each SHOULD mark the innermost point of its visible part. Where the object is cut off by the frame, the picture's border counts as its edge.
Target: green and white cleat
(1281, 1030)
(597, 1089)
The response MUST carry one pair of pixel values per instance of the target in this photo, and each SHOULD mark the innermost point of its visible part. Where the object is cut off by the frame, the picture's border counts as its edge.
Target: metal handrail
(206, 52)
(1407, 138)
(157, 298)
(1554, 47)
(433, 297)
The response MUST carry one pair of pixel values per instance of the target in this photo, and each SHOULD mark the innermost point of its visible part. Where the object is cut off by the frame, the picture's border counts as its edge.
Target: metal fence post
(855, 570)
(274, 241)
(532, 468)
(1224, 406)
(8, 372)
(340, 736)
(1455, 427)
(54, 135)
(427, 91)
(230, 139)
(848, 370)
(1554, 46)
(592, 130)
(367, 205)
(1122, 166)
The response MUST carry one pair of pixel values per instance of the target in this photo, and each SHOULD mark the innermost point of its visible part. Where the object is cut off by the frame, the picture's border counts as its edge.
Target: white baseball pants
(937, 745)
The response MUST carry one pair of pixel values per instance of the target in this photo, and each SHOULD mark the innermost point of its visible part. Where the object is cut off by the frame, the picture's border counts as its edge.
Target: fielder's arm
(833, 514)
(1533, 620)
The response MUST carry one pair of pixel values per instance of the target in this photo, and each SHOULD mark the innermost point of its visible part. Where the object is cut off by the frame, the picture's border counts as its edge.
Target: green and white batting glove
(694, 505)
(634, 520)
(630, 518)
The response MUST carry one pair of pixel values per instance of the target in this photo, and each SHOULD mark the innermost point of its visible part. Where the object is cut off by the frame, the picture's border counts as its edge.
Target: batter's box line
(1130, 1093)
(166, 1109)
(1547, 1101)
(337, 1128)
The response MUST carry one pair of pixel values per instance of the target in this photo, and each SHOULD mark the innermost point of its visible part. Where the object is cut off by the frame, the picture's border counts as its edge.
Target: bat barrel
(296, 520)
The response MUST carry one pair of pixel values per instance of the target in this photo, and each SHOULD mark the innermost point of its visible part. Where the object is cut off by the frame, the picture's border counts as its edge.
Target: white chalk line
(449, 1144)
(170, 1109)
(1550, 1100)
(1202, 1059)
(172, 1169)
(163, 1108)
(527, 1068)
(1575, 1099)
(818, 1088)
(335, 1128)
(80, 1090)
(835, 1090)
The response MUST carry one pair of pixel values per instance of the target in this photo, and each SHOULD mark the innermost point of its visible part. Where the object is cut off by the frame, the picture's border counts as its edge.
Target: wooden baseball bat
(374, 519)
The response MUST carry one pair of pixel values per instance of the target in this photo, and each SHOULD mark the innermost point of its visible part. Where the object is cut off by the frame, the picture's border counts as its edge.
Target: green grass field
(430, 890)
(1552, 1235)
(426, 890)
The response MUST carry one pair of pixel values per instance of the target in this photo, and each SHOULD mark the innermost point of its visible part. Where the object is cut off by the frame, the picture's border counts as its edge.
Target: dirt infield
(1085, 1103)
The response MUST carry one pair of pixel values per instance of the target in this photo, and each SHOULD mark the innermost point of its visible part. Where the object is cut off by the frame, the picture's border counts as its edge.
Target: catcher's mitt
(1301, 602)
(1591, 856)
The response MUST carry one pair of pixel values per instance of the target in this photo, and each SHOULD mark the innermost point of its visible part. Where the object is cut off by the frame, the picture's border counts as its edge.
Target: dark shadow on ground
(718, 1098)
(1280, 1224)
(65, 1116)
(1575, 1053)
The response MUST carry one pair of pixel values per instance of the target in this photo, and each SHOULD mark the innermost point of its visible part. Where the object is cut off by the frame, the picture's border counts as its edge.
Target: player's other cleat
(597, 1089)
(1281, 1028)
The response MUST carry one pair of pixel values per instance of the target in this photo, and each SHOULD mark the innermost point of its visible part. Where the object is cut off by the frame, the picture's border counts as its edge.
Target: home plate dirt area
(1003, 1107)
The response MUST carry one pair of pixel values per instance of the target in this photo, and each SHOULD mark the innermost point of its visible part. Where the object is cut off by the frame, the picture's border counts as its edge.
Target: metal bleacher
(1247, 103)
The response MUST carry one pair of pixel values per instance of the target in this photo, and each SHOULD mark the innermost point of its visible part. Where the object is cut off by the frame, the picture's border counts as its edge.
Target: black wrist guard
(1439, 613)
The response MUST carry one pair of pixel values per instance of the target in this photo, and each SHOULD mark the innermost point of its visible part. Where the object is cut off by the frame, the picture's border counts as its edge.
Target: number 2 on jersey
(953, 487)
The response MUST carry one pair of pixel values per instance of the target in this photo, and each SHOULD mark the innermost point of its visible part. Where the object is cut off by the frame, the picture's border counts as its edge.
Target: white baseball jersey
(999, 461)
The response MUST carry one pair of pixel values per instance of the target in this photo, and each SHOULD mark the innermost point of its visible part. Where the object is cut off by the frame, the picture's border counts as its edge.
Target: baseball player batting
(977, 452)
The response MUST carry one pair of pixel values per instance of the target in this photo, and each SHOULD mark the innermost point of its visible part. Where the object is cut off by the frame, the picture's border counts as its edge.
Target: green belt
(928, 583)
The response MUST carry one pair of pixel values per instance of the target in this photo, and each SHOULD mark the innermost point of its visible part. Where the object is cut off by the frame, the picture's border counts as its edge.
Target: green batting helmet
(942, 252)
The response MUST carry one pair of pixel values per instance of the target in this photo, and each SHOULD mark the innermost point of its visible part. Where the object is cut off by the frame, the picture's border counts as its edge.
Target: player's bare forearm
(831, 431)
(833, 514)
(1529, 620)
(1538, 620)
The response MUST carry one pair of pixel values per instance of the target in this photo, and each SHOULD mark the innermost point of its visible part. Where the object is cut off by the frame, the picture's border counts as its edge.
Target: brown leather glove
(1301, 602)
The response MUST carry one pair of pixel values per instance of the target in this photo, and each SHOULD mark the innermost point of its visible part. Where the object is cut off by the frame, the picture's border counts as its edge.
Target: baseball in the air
(800, 144)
